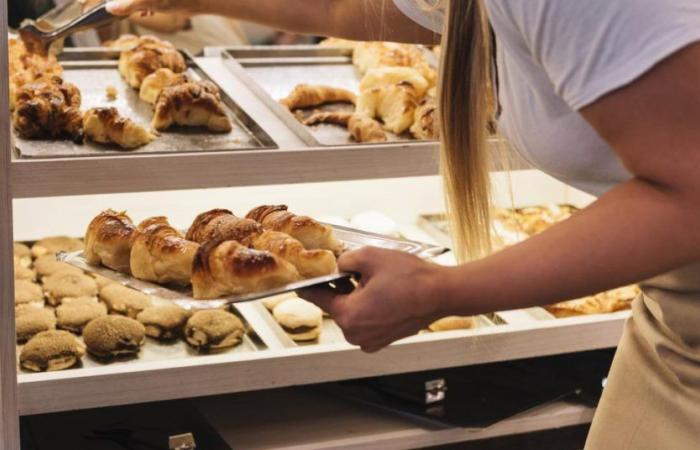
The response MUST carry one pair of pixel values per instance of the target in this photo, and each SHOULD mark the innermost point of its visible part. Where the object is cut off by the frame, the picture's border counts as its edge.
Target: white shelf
(295, 419)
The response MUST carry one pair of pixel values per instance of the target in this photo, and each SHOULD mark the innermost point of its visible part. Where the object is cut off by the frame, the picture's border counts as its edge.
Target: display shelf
(145, 381)
(295, 419)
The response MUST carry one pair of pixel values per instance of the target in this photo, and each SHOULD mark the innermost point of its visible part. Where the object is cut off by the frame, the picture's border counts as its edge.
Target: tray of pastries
(343, 92)
(140, 95)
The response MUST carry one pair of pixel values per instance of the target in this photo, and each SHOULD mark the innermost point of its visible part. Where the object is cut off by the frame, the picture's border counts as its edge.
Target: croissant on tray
(161, 254)
(366, 129)
(191, 104)
(222, 225)
(145, 56)
(305, 96)
(154, 84)
(230, 268)
(107, 126)
(309, 263)
(425, 125)
(311, 233)
(108, 240)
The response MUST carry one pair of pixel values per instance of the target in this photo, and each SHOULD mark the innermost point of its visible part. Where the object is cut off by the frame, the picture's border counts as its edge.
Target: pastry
(229, 268)
(300, 319)
(329, 117)
(74, 315)
(309, 263)
(114, 336)
(425, 123)
(107, 126)
(271, 302)
(26, 67)
(123, 300)
(453, 323)
(395, 105)
(313, 234)
(123, 43)
(102, 281)
(30, 321)
(305, 96)
(214, 330)
(145, 56)
(372, 55)
(154, 84)
(366, 129)
(577, 307)
(28, 293)
(56, 244)
(392, 76)
(23, 272)
(51, 350)
(108, 240)
(339, 43)
(161, 254)
(165, 322)
(222, 225)
(67, 284)
(47, 265)
(191, 104)
(23, 254)
(48, 110)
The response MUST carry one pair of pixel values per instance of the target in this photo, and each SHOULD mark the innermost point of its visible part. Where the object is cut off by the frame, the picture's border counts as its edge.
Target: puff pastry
(311, 233)
(309, 263)
(154, 84)
(192, 104)
(108, 240)
(366, 129)
(222, 225)
(305, 96)
(161, 254)
(334, 118)
(142, 58)
(107, 126)
(425, 123)
(230, 268)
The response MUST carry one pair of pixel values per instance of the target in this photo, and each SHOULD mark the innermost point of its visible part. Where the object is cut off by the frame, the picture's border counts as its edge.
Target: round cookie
(300, 319)
(23, 254)
(23, 272)
(54, 244)
(165, 322)
(123, 300)
(68, 284)
(113, 336)
(27, 292)
(74, 315)
(30, 321)
(271, 302)
(453, 323)
(51, 350)
(213, 330)
(102, 282)
(47, 265)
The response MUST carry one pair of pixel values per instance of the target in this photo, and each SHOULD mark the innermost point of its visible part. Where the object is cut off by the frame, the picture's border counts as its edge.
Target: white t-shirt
(558, 56)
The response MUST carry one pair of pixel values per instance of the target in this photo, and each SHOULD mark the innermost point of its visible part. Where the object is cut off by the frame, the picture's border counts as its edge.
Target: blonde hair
(464, 99)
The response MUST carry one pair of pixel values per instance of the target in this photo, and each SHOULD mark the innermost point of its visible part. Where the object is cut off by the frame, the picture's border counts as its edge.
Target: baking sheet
(273, 72)
(93, 70)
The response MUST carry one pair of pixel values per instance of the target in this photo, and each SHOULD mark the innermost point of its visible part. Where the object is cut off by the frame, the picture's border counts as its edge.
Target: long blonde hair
(464, 99)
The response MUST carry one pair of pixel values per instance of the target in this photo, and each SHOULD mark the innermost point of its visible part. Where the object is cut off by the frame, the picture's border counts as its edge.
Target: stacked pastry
(396, 95)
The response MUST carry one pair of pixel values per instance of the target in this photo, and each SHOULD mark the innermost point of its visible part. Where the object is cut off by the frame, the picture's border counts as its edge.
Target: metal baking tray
(272, 72)
(93, 70)
(352, 239)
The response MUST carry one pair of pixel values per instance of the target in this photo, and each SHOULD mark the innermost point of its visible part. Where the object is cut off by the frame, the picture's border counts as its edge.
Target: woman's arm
(350, 19)
(641, 228)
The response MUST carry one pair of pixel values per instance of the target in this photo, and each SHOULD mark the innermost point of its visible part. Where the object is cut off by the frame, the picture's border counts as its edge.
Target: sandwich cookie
(68, 284)
(271, 302)
(122, 300)
(102, 282)
(28, 293)
(214, 330)
(452, 323)
(300, 319)
(164, 322)
(53, 245)
(23, 254)
(23, 272)
(47, 265)
(30, 321)
(114, 336)
(75, 313)
(51, 350)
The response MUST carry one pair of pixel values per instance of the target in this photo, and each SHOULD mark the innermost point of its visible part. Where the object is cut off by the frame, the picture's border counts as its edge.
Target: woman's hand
(398, 295)
(129, 7)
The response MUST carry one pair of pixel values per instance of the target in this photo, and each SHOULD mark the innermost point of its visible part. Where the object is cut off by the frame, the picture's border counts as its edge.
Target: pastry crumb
(111, 93)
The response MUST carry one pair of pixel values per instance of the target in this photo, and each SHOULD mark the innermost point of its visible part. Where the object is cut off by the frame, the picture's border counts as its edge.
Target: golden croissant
(309, 263)
(154, 84)
(108, 240)
(366, 129)
(425, 124)
(222, 225)
(305, 96)
(147, 56)
(192, 104)
(107, 126)
(230, 268)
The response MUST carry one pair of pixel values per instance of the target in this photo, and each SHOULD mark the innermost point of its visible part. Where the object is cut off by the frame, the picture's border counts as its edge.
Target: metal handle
(95, 18)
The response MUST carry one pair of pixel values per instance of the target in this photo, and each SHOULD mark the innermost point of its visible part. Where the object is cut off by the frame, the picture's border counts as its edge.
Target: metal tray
(351, 238)
(95, 69)
(272, 72)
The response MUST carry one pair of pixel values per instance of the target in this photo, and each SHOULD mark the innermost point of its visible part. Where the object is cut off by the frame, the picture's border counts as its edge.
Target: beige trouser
(652, 399)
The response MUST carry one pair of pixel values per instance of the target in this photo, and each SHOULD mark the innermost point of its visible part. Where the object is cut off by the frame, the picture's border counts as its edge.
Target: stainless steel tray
(272, 72)
(351, 238)
(95, 69)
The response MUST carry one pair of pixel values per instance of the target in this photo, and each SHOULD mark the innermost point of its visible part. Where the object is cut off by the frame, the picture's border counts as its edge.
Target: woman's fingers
(324, 297)
(128, 7)
(360, 261)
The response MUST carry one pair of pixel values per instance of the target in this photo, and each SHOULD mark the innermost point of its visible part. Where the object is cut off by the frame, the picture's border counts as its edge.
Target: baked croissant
(154, 84)
(106, 126)
(389, 76)
(193, 104)
(305, 96)
(222, 225)
(372, 55)
(334, 118)
(311, 233)
(395, 105)
(161, 254)
(425, 124)
(48, 110)
(309, 263)
(108, 240)
(147, 56)
(366, 129)
(230, 268)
